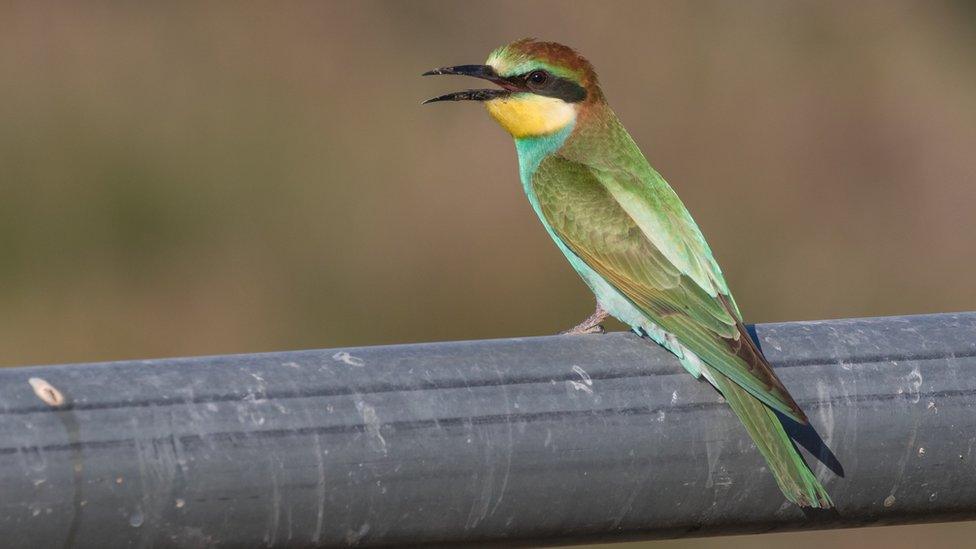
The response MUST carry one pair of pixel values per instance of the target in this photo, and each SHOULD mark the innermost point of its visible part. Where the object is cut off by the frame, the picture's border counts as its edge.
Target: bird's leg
(591, 325)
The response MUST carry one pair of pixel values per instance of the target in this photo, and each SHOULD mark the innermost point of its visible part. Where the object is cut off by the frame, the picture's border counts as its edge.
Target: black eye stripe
(567, 90)
(555, 86)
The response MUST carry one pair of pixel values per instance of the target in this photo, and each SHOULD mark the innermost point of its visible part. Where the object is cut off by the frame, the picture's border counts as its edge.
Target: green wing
(633, 231)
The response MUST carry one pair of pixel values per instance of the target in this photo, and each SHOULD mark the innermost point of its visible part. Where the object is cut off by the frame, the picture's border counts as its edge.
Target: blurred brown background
(183, 179)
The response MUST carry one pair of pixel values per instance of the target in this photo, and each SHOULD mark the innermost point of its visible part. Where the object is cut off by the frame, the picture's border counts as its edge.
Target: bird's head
(542, 86)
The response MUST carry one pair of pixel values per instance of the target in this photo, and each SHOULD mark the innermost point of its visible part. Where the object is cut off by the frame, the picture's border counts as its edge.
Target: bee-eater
(630, 238)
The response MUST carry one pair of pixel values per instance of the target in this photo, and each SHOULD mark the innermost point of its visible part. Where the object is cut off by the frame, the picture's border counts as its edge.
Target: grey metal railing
(537, 440)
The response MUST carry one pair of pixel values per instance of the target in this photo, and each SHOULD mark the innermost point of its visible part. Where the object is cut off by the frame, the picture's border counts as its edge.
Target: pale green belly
(625, 311)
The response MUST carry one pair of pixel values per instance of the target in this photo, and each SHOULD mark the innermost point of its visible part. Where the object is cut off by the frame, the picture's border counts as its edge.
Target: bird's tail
(794, 477)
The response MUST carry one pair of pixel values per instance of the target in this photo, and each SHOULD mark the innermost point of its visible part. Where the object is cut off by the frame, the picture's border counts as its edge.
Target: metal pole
(537, 440)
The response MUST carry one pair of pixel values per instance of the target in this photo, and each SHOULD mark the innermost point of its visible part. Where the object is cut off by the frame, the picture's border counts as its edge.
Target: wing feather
(638, 236)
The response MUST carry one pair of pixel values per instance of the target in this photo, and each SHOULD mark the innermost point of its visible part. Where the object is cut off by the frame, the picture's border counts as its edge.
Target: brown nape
(557, 54)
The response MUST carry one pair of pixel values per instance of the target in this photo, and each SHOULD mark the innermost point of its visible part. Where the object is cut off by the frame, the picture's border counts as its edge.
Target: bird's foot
(581, 330)
(591, 325)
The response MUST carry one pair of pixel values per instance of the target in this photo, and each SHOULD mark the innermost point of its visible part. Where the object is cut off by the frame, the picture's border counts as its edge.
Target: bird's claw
(591, 325)
(583, 330)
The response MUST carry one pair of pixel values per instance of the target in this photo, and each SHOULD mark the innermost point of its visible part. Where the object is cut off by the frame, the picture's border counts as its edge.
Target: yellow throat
(529, 115)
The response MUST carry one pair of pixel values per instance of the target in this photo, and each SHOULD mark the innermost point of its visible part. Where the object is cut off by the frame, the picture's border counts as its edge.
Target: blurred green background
(201, 178)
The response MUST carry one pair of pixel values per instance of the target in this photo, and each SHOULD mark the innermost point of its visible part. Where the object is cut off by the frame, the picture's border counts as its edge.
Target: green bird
(630, 238)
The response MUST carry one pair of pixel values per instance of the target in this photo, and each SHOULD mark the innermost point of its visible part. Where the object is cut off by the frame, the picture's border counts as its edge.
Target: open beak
(485, 72)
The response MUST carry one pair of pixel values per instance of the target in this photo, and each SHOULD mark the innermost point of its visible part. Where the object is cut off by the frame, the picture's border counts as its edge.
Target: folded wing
(633, 230)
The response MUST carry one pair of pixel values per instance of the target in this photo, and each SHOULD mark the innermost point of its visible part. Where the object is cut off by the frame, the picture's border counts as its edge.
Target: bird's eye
(538, 78)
